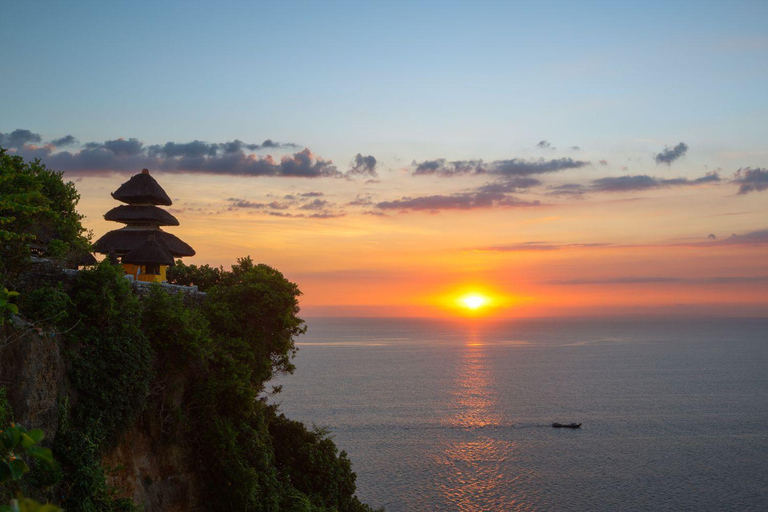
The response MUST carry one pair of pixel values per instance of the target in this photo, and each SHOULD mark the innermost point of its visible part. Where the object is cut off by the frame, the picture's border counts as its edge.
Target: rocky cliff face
(144, 466)
(154, 474)
(32, 370)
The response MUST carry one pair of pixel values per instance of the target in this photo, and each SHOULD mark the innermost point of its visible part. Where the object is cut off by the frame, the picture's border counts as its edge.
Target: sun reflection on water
(474, 465)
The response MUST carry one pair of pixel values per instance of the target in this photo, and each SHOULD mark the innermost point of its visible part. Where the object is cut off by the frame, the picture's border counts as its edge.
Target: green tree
(37, 208)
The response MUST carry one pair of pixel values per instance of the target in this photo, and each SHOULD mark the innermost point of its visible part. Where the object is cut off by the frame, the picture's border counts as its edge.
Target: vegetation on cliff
(197, 368)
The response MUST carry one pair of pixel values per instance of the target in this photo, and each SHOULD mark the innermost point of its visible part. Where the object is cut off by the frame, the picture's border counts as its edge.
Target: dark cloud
(544, 145)
(67, 140)
(194, 149)
(508, 185)
(363, 166)
(18, 139)
(128, 155)
(575, 148)
(123, 147)
(511, 167)
(712, 236)
(278, 206)
(669, 155)
(270, 144)
(312, 194)
(460, 201)
(567, 189)
(644, 182)
(122, 156)
(663, 279)
(752, 238)
(603, 162)
(317, 204)
(751, 180)
(243, 203)
(326, 215)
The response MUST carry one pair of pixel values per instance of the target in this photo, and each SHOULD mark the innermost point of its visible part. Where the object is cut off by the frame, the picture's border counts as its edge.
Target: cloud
(511, 167)
(129, 155)
(751, 180)
(752, 238)
(459, 201)
(317, 204)
(243, 203)
(361, 201)
(312, 194)
(327, 215)
(662, 279)
(123, 147)
(511, 184)
(18, 139)
(67, 140)
(363, 166)
(644, 182)
(544, 145)
(669, 155)
(539, 246)
(567, 189)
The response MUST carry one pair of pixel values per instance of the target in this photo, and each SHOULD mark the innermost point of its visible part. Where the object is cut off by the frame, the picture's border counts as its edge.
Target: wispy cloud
(540, 246)
(759, 237)
(639, 280)
(644, 182)
(459, 201)
(629, 183)
(510, 167)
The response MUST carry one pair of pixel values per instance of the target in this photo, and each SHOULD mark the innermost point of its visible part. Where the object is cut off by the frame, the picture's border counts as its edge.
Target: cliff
(154, 396)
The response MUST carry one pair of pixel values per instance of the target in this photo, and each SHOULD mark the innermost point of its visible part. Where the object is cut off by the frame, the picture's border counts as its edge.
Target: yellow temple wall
(133, 270)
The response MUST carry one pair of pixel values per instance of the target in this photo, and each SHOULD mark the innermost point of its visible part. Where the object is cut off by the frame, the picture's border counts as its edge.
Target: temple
(144, 250)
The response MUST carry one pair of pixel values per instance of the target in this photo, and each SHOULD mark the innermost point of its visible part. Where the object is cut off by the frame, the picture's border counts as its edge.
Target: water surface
(450, 415)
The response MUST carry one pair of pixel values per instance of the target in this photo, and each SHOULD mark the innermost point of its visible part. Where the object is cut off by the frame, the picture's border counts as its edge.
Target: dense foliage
(36, 208)
(198, 366)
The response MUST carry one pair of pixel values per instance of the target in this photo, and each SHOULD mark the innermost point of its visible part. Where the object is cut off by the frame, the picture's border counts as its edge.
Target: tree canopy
(37, 211)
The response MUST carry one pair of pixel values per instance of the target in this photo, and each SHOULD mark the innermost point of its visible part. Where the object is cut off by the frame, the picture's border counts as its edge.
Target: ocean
(441, 415)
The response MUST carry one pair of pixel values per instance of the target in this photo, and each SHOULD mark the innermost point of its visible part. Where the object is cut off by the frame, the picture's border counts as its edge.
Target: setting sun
(474, 301)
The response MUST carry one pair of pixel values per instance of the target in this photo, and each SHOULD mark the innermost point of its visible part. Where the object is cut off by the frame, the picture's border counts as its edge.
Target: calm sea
(447, 415)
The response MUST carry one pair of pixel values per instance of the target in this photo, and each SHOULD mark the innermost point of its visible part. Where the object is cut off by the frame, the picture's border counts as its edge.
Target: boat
(566, 425)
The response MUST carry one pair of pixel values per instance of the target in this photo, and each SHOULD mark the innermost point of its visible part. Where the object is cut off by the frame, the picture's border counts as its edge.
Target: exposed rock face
(156, 475)
(32, 369)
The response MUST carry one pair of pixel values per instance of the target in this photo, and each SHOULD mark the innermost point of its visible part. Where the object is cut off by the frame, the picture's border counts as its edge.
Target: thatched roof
(150, 252)
(142, 188)
(127, 239)
(141, 213)
(86, 259)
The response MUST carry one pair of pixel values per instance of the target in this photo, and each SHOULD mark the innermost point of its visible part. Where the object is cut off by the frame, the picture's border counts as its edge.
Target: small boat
(566, 425)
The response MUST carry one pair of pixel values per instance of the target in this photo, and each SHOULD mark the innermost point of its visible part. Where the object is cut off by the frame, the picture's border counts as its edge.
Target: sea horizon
(448, 414)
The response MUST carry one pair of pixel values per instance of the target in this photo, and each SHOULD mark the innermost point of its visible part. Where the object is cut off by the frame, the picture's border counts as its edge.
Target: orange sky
(630, 253)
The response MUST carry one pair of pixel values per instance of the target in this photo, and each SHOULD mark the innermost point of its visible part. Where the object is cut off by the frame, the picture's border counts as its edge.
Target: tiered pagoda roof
(142, 188)
(143, 219)
(150, 252)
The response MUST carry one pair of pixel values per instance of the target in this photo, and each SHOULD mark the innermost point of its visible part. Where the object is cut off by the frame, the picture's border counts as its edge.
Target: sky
(557, 158)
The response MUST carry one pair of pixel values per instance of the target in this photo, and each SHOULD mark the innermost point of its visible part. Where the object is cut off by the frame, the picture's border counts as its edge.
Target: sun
(474, 301)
